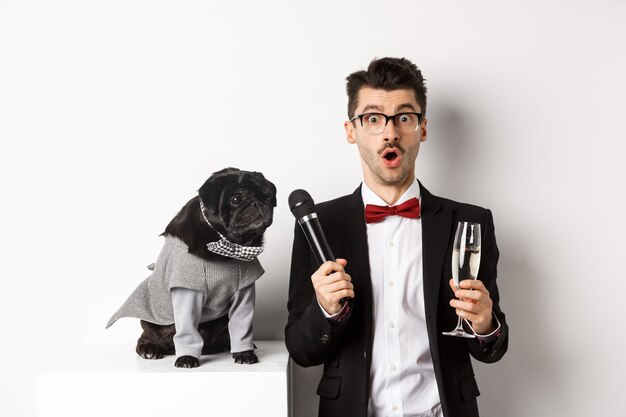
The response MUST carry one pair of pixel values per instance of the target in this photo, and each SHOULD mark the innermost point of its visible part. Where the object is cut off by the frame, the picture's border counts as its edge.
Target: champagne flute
(465, 262)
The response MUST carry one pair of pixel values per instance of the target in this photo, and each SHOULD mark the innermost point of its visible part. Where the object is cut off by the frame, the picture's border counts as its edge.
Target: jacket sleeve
(311, 338)
(496, 347)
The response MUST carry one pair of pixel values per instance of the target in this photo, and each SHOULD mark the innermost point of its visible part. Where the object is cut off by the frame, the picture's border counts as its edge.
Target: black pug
(200, 296)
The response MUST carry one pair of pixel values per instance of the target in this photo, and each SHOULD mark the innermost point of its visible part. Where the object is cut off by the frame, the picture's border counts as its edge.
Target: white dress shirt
(402, 375)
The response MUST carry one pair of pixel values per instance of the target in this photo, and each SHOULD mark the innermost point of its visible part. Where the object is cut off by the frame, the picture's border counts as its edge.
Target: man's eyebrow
(376, 107)
(405, 106)
(372, 107)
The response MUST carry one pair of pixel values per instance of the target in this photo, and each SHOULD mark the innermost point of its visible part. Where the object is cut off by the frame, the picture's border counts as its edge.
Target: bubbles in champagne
(455, 267)
(474, 261)
(465, 264)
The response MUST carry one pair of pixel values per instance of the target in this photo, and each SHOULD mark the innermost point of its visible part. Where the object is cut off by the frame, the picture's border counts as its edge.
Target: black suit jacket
(345, 348)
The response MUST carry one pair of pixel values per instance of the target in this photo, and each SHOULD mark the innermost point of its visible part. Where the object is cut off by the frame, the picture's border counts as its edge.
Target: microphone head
(301, 204)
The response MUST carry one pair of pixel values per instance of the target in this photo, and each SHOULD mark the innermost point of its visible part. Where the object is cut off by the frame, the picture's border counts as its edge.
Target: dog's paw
(187, 362)
(149, 351)
(247, 357)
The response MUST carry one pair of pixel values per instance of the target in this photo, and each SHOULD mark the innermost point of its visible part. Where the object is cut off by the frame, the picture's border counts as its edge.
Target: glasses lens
(374, 122)
(407, 122)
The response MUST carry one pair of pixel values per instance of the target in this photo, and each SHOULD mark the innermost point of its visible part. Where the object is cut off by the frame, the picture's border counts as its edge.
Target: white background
(112, 114)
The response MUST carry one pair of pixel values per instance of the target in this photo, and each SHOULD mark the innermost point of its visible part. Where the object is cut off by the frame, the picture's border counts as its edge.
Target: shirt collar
(370, 197)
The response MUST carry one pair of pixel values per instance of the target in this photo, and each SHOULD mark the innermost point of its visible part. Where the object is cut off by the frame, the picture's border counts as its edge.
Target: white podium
(114, 381)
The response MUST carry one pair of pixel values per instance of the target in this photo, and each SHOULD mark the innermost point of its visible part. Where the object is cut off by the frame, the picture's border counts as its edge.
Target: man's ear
(424, 130)
(350, 132)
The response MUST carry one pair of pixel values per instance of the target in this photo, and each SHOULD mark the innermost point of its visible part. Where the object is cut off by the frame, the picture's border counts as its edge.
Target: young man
(383, 351)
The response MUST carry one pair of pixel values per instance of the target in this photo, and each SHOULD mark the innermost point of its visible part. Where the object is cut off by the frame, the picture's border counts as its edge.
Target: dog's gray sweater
(219, 280)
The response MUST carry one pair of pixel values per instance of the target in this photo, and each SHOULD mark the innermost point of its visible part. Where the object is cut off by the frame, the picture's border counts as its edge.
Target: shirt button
(394, 408)
(391, 283)
(393, 367)
(390, 244)
(392, 325)
(324, 338)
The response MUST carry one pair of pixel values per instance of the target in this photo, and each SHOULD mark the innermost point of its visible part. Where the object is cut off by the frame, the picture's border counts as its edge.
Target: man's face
(387, 158)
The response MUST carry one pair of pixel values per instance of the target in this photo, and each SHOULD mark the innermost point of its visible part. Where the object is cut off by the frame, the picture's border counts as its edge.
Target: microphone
(303, 208)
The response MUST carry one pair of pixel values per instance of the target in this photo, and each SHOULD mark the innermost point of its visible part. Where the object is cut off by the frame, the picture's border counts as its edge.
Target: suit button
(324, 338)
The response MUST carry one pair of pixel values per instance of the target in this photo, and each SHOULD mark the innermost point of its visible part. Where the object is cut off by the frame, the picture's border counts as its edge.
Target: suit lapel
(354, 239)
(354, 243)
(436, 232)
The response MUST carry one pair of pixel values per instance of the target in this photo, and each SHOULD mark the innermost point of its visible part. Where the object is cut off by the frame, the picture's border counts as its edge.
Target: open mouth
(391, 157)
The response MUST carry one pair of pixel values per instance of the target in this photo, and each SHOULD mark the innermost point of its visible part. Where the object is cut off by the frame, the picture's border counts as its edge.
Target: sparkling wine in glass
(465, 262)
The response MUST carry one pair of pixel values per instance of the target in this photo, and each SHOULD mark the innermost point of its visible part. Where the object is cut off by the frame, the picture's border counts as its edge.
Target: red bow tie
(410, 209)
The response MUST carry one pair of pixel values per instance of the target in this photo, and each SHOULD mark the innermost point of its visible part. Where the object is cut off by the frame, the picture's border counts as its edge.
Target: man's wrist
(345, 308)
(489, 337)
(327, 314)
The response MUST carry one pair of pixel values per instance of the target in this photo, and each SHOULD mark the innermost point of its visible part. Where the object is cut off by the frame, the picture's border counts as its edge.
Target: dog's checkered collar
(227, 248)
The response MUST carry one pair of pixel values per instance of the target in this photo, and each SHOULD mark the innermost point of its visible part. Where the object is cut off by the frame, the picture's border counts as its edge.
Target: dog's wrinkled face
(239, 204)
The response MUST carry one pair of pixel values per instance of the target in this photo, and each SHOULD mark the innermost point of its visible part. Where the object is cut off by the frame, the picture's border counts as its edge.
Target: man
(383, 351)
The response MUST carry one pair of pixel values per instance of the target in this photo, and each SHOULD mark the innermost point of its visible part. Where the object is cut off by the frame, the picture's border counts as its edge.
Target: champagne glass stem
(458, 324)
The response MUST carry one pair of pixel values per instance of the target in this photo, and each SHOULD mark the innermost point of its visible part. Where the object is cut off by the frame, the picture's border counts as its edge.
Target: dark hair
(387, 74)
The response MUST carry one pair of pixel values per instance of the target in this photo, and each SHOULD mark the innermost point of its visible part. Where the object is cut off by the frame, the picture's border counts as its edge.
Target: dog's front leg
(241, 315)
(187, 313)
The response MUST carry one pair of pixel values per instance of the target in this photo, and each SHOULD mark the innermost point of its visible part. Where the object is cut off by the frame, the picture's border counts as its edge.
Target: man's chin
(394, 177)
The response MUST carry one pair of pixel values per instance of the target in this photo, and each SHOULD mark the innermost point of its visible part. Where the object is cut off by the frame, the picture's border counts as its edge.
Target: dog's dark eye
(235, 200)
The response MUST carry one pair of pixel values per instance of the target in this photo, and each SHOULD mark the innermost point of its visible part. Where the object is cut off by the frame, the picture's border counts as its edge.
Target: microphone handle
(317, 241)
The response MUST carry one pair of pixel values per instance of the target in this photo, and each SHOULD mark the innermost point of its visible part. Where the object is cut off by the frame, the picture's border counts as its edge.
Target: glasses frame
(387, 118)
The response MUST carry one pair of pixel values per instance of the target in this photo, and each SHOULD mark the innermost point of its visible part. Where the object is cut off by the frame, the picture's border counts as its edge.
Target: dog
(199, 298)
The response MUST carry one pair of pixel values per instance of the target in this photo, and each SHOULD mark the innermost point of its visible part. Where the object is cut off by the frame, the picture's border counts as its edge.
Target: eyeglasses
(375, 123)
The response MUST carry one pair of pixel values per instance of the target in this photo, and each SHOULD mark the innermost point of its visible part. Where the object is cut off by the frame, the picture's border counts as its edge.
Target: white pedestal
(114, 381)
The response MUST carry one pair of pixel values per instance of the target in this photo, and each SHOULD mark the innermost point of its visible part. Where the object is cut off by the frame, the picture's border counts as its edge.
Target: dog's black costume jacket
(220, 279)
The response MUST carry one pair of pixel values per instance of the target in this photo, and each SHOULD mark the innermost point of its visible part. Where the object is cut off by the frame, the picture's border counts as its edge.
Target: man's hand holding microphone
(333, 286)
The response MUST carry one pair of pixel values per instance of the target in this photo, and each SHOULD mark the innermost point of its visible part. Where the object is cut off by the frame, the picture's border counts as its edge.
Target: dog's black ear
(263, 182)
(273, 189)
(212, 191)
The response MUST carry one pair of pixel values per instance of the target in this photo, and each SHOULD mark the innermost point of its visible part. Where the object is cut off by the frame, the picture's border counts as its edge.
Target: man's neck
(390, 193)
